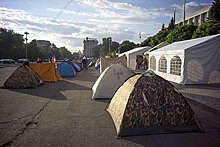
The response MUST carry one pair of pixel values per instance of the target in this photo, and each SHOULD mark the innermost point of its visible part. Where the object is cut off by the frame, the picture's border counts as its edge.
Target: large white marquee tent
(195, 61)
(132, 55)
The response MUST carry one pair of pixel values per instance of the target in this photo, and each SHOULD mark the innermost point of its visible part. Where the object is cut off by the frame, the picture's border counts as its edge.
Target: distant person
(84, 61)
(145, 63)
(39, 60)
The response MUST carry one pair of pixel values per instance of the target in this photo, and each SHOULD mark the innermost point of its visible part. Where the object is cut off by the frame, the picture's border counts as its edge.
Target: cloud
(190, 7)
(70, 12)
(116, 12)
(119, 20)
(66, 33)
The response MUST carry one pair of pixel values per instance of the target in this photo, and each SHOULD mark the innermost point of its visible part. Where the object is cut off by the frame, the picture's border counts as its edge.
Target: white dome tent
(110, 80)
(194, 61)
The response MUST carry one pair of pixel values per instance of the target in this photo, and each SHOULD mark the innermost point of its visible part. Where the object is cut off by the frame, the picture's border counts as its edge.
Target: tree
(66, 54)
(210, 27)
(214, 12)
(126, 46)
(156, 39)
(114, 46)
(76, 55)
(146, 42)
(161, 36)
(171, 24)
(11, 44)
(184, 32)
(33, 51)
(163, 28)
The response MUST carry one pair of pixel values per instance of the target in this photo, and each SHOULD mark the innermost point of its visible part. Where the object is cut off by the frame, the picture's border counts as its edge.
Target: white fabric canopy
(199, 60)
(110, 80)
(132, 55)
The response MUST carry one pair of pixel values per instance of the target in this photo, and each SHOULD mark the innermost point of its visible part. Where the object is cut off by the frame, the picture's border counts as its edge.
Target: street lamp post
(26, 33)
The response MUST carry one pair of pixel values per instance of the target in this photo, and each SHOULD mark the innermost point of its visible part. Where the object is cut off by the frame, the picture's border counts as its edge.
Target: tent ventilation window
(163, 64)
(175, 65)
(153, 63)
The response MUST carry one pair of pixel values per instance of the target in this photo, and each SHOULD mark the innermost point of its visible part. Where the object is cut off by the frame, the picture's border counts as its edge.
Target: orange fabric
(47, 71)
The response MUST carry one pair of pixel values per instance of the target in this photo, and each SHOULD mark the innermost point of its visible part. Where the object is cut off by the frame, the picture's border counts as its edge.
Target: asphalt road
(62, 114)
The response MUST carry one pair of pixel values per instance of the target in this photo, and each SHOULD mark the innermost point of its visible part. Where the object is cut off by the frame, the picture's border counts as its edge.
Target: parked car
(23, 60)
(7, 61)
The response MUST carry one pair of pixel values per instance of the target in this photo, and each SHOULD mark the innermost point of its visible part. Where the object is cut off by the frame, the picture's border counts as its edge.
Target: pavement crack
(15, 119)
(38, 113)
(28, 124)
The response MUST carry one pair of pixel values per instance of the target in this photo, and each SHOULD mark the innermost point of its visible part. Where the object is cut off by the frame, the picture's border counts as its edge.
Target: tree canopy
(126, 46)
(156, 39)
(12, 46)
(210, 27)
(214, 12)
(181, 33)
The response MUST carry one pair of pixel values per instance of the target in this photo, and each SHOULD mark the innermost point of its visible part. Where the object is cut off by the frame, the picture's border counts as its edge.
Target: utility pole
(184, 12)
(26, 33)
(174, 19)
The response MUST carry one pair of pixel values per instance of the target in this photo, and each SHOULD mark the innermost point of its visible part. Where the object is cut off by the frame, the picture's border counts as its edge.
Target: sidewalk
(205, 95)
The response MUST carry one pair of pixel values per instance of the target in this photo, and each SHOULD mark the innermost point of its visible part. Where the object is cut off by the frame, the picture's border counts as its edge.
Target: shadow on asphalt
(201, 96)
(205, 86)
(52, 90)
(89, 75)
(103, 100)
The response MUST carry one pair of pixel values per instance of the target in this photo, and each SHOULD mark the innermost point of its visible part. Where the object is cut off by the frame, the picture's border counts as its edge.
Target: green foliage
(184, 32)
(156, 39)
(113, 55)
(171, 24)
(146, 42)
(214, 12)
(210, 27)
(126, 46)
(33, 51)
(114, 46)
(12, 46)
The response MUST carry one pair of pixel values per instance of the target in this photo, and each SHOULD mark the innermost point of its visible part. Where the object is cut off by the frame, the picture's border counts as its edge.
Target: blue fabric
(66, 69)
(77, 68)
(80, 62)
(98, 66)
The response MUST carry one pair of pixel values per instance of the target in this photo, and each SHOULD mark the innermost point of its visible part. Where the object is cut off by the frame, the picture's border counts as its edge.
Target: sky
(68, 22)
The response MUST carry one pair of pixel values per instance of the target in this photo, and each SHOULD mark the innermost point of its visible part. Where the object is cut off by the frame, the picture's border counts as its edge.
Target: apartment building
(196, 18)
(89, 44)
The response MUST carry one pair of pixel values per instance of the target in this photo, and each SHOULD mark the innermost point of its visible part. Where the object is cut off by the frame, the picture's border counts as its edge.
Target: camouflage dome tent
(23, 77)
(148, 104)
(110, 80)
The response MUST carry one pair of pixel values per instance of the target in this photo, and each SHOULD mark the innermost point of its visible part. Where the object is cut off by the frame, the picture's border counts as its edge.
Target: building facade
(89, 44)
(196, 18)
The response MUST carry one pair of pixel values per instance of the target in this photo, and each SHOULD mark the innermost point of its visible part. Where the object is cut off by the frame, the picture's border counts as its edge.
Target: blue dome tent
(76, 67)
(66, 69)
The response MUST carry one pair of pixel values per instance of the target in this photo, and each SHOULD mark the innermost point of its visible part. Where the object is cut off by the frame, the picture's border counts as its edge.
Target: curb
(201, 103)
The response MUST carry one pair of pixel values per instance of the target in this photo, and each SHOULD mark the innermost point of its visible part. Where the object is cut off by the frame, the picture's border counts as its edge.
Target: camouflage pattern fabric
(120, 99)
(152, 101)
(23, 77)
